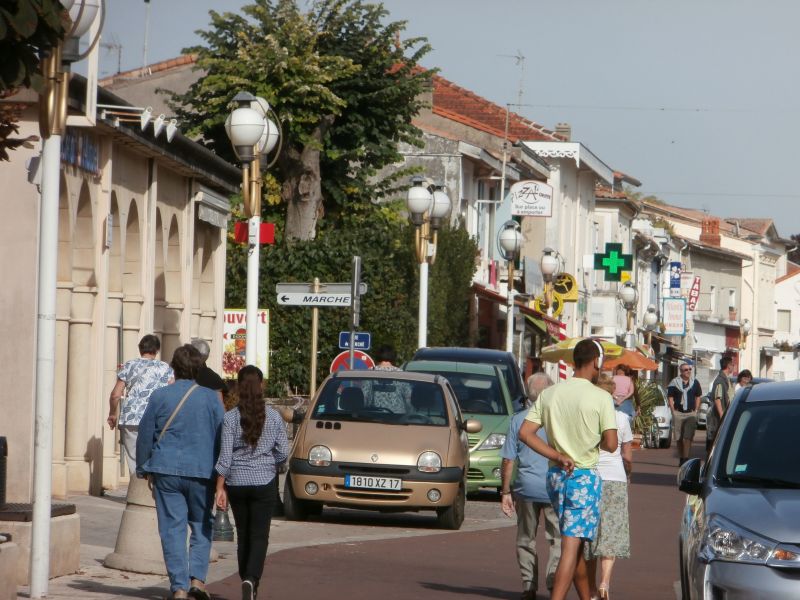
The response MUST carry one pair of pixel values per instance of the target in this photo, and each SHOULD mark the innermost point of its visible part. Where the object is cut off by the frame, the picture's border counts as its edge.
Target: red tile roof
(792, 269)
(164, 65)
(458, 104)
(603, 191)
(760, 226)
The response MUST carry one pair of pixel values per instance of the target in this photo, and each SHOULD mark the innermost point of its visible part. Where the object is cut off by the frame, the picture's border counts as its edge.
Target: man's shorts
(683, 425)
(576, 500)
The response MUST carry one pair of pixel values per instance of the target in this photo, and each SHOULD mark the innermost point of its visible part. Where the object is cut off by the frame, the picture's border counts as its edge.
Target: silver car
(740, 531)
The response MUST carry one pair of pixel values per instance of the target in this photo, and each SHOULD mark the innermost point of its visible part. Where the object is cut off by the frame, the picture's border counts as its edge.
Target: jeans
(181, 502)
(252, 507)
(528, 515)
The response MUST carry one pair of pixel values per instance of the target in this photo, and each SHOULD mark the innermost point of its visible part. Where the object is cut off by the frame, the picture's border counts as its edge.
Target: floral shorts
(576, 500)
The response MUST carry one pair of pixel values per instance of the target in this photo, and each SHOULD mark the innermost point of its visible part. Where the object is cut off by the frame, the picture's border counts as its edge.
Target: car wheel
(452, 516)
(666, 442)
(682, 572)
(295, 510)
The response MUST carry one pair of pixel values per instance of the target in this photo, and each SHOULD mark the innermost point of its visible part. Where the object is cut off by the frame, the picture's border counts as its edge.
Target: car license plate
(371, 482)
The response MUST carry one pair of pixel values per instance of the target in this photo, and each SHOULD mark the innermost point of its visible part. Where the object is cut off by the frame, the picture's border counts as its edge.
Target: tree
(28, 28)
(794, 255)
(344, 84)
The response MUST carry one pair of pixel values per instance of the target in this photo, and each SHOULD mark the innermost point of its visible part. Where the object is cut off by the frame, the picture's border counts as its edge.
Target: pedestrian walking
(579, 420)
(527, 496)
(613, 538)
(136, 380)
(254, 445)
(206, 376)
(720, 398)
(624, 391)
(683, 395)
(177, 448)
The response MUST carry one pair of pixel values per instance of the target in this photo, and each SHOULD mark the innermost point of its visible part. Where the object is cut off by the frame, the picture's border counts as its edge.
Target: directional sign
(324, 288)
(362, 340)
(613, 262)
(312, 299)
(361, 361)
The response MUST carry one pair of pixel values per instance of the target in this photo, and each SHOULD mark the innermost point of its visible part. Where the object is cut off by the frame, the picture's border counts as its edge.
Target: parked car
(663, 418)
(381, 440)
(483, 396)
(702, 411)
(505, 360)
(741, 524)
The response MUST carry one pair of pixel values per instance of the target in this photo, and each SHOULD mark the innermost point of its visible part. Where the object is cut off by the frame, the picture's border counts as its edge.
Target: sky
(697, 99)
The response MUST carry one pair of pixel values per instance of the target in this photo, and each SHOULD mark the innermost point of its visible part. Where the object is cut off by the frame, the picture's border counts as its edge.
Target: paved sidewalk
(100, 518)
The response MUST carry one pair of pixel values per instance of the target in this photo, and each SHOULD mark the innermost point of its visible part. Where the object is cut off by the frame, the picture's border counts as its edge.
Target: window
(784, 320)
(713, 300)
(731, 299)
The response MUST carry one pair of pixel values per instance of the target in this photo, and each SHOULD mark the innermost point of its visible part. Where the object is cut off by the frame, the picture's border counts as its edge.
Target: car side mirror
(689, 477)
(472, 426)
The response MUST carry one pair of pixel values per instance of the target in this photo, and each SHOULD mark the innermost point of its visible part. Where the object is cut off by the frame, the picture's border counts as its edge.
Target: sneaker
(248, 590)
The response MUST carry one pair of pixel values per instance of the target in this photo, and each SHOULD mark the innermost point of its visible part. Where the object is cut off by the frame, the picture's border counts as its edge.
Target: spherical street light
(510, 239)
(747, 327)
(549, 263)
(628, 295)
(82, 13)
(418, 201)
(440, 208)
(650, 317)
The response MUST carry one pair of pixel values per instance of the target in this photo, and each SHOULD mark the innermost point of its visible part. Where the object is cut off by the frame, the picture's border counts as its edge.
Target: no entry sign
(361, 361)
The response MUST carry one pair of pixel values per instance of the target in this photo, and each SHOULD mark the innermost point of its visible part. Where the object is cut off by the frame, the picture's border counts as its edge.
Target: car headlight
(429, 462)
(493, 441)
(661, 420)
(320, 456)
(727, 541)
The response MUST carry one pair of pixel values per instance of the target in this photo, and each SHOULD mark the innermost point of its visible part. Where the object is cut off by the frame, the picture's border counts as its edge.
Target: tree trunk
(302, 187)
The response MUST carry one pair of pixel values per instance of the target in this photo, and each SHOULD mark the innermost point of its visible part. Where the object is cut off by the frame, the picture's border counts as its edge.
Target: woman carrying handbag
(254, 445)
(176, 449)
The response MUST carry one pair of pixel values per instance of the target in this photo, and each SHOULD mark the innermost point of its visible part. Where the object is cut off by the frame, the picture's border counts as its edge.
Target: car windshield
(477, 394)
(760, 444)
(384, 400)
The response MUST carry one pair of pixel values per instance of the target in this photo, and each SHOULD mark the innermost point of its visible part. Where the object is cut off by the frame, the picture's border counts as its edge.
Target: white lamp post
(509, 239)
(427, 209)
(628, 296)
(650, 320)
(744, 330)
(550, 267)
(253, 135)
(55, 69)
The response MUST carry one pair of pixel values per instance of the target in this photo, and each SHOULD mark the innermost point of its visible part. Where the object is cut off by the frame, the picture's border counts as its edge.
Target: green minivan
(482, 395)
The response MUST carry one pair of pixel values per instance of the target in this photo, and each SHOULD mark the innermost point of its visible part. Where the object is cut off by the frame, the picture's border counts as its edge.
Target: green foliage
(389, 309)
(338, 64)
(648, 396)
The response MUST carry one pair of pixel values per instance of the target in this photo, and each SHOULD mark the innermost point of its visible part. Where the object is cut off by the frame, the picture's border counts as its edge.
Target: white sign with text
(674, 316)
(531, 199)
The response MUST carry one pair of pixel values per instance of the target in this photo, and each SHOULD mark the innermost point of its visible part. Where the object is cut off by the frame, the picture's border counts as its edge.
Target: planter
(637, 441)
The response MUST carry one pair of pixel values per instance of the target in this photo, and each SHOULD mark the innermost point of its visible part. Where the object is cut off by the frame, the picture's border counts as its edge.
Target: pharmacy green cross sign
(613, 262)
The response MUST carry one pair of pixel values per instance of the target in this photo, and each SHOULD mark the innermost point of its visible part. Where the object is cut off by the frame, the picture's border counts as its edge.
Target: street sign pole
(355, 287)
(314, 340)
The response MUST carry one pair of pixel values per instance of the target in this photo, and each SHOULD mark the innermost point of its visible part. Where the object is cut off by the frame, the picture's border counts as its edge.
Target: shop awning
(547, 324)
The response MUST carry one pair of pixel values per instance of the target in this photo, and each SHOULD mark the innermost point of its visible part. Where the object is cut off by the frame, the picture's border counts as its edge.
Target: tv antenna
(112, 46)
(519, 60)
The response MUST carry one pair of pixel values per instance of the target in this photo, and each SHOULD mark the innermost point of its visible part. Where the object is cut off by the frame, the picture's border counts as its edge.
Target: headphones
(602, 354)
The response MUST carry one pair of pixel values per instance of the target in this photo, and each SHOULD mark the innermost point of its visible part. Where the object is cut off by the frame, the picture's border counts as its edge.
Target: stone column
(111, 360)
(63, 301)
(79, 450)
(131, 326)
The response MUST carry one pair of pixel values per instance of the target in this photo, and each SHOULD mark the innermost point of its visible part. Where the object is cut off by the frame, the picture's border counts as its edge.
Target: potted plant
(645, 430)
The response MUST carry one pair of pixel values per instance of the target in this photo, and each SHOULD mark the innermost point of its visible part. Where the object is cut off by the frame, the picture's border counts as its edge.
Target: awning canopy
(547, 324)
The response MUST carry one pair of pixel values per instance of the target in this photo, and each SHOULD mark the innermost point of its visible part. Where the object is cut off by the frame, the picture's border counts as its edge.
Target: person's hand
(221, 499)
(112, 421)
(507, 505)
(566, 463)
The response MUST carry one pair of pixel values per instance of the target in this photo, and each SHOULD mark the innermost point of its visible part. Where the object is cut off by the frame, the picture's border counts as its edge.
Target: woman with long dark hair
(254, 444)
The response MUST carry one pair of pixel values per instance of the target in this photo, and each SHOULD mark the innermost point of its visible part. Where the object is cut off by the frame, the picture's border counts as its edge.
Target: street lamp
(628, 296)
(55, 67)
(745, 327)
(550, 267)
(650, 320)
(253, 135)
(509, 239)
(427, 205)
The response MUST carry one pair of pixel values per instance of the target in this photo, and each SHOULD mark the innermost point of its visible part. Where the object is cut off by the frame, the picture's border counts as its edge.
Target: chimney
(564, 130)
(710, 231)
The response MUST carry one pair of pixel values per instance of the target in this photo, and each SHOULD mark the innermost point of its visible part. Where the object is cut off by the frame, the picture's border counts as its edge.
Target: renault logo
(374, 458)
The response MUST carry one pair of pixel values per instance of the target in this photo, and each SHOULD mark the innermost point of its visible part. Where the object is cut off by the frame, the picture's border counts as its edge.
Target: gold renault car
(381, 440)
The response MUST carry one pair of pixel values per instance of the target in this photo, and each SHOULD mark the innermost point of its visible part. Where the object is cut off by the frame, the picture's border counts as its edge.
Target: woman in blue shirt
(254, 444)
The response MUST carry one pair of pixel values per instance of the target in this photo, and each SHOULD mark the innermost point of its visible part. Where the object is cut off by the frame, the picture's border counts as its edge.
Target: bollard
(3, 461)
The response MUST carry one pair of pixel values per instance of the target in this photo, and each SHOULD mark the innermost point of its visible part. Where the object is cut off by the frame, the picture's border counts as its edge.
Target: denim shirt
(190, 445)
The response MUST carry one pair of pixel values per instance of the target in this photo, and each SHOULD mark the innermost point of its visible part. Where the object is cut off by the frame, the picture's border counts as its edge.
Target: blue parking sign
(362, 340)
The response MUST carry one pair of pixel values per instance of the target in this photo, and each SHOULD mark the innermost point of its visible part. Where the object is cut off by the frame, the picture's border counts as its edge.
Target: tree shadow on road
(666, 479)
(481, 592)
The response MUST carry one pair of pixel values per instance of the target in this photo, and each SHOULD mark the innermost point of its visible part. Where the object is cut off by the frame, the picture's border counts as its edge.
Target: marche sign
(613, 262)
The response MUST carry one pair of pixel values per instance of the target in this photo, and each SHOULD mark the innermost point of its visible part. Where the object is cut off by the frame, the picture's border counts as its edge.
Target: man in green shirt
(579, 420)
(720, 396)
